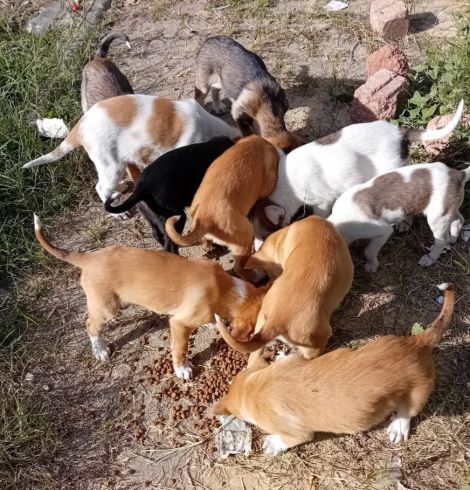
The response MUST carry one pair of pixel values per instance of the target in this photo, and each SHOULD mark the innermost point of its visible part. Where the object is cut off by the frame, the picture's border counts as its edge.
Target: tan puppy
(189, 290)
(315, 273)
(233, 183)
(344, 391)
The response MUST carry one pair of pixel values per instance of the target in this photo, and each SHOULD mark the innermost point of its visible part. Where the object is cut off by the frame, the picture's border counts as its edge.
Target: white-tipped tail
(443, 286)
(128, 44)
(437, 134)
(37, 222)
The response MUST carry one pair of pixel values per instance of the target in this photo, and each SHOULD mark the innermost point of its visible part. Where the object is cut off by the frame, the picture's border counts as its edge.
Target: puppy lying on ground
(224, 64)
(189, 290)
(167, 186)
(135, 129)
(370, 210)
(314, 272)
(101, 78)
(231, 186)
(344, 391)
(316, 174)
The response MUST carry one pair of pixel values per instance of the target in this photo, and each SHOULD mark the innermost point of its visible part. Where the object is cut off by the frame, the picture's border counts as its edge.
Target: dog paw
(220, 109)
(399, 429)
(426, 261)
(273, 445)
(184, 371)
(371, 266)
(100, 350)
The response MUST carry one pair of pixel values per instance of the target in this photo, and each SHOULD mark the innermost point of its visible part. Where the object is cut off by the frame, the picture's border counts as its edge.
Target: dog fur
(168, 185)
(316, 174)
(135, 129)
(312, 276)
(101, 78)
(231, 186)
(224, 64)
(191, 291)
(344, 391)
(369, 211)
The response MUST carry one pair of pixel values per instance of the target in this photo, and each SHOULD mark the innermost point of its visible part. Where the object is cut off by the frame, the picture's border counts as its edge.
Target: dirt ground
(117, 428)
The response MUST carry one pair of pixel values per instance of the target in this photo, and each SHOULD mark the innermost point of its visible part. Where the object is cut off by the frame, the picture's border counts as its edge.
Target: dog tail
(437, 134)
(69, 144)
(433, 335)
(129, 203)
(103, 46)
(65, 255)
(191, 238)
(259, 340)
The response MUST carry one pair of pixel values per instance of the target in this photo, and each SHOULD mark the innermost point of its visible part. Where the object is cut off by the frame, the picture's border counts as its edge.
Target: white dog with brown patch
(369, 211)
(135, 129)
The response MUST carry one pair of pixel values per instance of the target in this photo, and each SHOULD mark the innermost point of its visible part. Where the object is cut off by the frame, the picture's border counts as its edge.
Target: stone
(390, 57)
(389, 18)
(438, 122)
(380, 97)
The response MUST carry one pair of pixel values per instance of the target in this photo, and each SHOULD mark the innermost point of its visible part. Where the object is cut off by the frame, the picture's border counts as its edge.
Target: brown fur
(313, 271)
(166, 125)
(391, 191)
(122, 110)
(245, 173)
(147, 154)
(190, 290)
(454, 189)
(344, 391)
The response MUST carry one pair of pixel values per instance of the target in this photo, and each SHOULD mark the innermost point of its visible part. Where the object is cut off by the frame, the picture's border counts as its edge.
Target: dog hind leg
(180, 334)
(373, 248)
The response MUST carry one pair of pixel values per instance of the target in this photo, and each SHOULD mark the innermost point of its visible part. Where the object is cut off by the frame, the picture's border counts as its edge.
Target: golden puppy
(314, 272)
(189, 290)
(233, 183)
(344, 391)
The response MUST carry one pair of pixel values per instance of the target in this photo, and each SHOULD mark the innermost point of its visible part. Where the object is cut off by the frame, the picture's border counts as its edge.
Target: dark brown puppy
(101, 78)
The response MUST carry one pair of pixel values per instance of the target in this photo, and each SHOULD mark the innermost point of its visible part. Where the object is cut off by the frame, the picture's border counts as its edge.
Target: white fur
(240, 287)
(100, 349)
(353, 223)
(399, 428)
(274, 444)
(185, 371)
(112, 147)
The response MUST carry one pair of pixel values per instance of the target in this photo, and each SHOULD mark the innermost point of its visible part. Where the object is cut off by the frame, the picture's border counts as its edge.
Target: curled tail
(433, 335)
(258, 341)
(69, 144)
(129, 203)
(74, 258)
(437, 134)
(191, 238)
(103, 46)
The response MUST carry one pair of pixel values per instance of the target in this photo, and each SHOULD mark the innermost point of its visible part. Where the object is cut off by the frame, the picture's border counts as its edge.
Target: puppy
(344, 391)
(224, 64)
(316, 174)
(101, 78)
(191, 291)
(313, 272)
(370, 210)
(167, 186)
(231, 186)
(135, 129)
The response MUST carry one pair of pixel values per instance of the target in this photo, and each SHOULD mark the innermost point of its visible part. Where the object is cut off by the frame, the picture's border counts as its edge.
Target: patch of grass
(96, 231)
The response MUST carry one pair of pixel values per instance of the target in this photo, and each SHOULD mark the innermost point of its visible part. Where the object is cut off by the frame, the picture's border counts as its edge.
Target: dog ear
(220, 409)
(275, 214)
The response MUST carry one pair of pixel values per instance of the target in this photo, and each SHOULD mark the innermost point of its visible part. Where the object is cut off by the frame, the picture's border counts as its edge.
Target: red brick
(379, 97)
(390, 57)
(389, 18)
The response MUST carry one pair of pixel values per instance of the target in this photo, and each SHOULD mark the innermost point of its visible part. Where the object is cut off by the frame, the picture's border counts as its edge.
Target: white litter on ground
(335, 6)
(52, 128)
(234, 438)
(465, 233)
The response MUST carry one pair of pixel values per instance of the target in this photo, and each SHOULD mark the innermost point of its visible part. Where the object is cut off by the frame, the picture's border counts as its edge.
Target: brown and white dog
(370, 210)
(135, 129)
(224, 64)
(231, 186)
(344, 391)
(101, 78)
(314, 272)
(191, 291)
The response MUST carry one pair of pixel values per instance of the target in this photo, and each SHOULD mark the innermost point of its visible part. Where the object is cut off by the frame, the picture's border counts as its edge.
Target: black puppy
(224, 64)
(167, 186)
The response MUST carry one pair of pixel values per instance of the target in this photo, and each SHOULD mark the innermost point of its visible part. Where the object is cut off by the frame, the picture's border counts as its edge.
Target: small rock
(390, 57)
(389, 18)
(438, 122)
(29, 378)
(46, 387)
(380, 97)
(440, 300)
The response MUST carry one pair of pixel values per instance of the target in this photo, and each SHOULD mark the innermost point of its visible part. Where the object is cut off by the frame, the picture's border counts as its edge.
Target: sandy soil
(116, 429)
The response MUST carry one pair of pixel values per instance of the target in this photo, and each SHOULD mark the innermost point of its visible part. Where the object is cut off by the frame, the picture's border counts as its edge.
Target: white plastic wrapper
(52, 128)
(335, 6)
(234, 438)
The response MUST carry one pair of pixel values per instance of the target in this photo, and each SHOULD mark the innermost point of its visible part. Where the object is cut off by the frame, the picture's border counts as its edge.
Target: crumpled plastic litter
(234, 438)
(465, 232)
(335, 6)
(52, 128)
